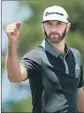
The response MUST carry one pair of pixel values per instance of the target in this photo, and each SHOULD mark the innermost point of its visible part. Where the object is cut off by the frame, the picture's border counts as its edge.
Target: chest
(60, 73)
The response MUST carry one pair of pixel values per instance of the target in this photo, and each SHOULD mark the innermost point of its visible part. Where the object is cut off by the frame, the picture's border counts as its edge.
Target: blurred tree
(76, 11)
(22, 106)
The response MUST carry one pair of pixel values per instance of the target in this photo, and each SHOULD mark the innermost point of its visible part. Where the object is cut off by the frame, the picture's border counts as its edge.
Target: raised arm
(16, 72)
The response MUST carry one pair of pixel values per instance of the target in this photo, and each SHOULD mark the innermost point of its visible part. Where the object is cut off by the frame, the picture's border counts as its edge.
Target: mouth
(54, 35)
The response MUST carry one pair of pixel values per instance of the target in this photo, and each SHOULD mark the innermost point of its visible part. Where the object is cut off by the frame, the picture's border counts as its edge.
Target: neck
(60, 46)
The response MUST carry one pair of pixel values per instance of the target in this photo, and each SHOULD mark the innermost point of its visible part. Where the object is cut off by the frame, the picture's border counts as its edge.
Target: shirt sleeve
(81, 83)
(32, 62)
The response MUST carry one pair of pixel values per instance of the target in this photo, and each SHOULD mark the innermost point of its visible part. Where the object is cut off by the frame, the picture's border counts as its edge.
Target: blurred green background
(30, 37)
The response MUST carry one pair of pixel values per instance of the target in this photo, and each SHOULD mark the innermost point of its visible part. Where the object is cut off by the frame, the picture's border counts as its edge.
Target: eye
(49, 23)
(59, 23)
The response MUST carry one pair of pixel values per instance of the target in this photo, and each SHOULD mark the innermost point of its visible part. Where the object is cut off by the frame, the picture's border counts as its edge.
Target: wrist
(11, 44)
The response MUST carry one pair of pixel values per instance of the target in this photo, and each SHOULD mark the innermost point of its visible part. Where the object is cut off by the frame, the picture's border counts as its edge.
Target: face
(55, 31)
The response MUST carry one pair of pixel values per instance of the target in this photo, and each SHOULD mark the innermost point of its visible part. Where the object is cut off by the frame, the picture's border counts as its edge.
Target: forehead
(54, 21)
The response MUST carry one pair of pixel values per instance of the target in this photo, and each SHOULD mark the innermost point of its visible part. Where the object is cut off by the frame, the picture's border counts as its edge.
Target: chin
(55, 40)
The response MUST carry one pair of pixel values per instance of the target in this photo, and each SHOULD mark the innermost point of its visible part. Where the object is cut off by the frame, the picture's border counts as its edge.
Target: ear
(68, 26)
(42, 26)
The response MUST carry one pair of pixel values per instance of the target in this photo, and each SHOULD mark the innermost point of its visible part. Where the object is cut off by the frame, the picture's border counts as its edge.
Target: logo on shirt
(77, 71)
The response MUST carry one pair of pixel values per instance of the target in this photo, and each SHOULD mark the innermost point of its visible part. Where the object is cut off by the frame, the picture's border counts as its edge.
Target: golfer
(54, 69)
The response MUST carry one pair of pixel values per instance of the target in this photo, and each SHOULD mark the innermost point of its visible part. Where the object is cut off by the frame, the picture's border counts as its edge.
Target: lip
(54, 34)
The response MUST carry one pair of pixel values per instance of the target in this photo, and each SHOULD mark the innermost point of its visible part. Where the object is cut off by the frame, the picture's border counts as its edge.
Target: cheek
(47, 31)
(61, 30)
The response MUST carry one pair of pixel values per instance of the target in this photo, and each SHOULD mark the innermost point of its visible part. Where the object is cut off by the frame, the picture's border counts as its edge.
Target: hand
(13, 31)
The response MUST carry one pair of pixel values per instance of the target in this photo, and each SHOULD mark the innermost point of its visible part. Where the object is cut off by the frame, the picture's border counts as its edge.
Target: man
(54, 69)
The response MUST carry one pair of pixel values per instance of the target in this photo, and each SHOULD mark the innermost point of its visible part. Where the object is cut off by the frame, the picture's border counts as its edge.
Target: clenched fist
(13, 31)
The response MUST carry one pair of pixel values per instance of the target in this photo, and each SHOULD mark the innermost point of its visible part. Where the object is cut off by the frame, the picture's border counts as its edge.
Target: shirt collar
(47, 45)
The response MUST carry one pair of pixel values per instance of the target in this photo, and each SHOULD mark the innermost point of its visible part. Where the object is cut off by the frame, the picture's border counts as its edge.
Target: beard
(55, 37)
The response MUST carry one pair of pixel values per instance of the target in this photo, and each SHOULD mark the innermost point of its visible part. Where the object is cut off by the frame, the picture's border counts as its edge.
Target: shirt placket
(65, 63)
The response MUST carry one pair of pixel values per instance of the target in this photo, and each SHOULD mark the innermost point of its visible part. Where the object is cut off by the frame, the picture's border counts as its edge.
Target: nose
(54, 29)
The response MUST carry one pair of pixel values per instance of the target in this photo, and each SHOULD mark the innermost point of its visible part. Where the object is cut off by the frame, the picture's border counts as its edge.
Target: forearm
(81, 101)
(12, 63)
(81, 106)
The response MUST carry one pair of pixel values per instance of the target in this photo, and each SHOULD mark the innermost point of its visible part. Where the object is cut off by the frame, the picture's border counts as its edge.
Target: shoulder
(76, 54)
(34, 55)
(75, 51)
